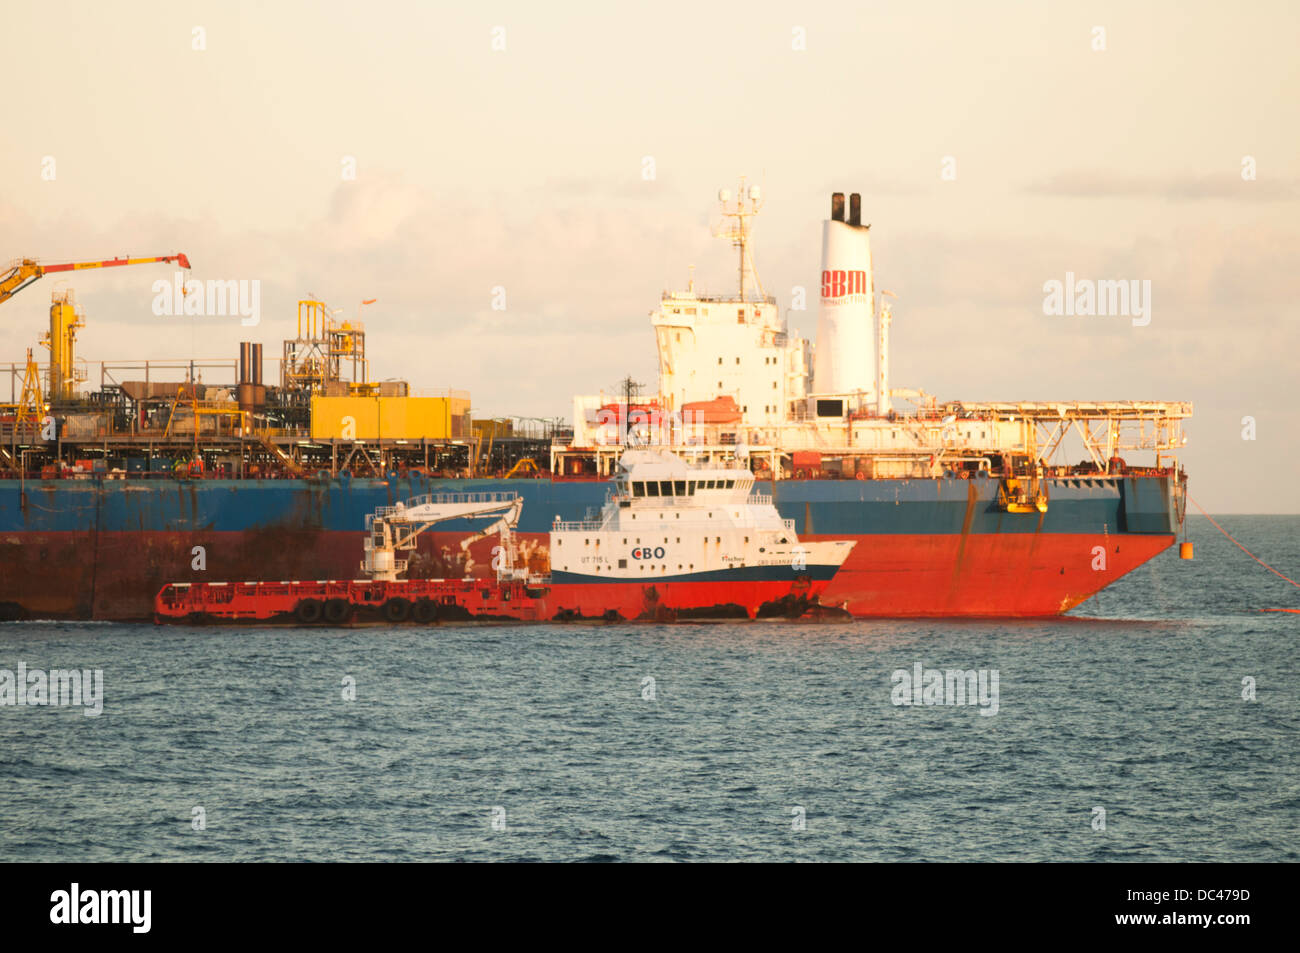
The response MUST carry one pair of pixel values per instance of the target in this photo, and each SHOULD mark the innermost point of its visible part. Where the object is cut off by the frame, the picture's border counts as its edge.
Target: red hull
(425, 601)
(114, 576)
(1002, 575)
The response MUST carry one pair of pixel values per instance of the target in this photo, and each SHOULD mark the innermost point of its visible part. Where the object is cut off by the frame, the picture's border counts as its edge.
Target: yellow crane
(23, 271)
(64, 320)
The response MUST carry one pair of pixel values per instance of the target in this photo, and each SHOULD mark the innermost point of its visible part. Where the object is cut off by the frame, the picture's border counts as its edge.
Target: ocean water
(765, 741)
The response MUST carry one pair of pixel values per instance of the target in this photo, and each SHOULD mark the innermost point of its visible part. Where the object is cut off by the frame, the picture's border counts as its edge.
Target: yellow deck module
(388, 418)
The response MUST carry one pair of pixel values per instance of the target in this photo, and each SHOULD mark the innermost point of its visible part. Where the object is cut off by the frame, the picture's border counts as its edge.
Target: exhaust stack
(837, 206)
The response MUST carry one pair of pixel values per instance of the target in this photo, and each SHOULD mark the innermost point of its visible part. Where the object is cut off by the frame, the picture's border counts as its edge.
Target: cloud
(1174, 188)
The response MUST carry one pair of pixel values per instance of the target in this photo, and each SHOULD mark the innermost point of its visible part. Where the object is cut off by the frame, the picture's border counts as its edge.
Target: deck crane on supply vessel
(391, 529)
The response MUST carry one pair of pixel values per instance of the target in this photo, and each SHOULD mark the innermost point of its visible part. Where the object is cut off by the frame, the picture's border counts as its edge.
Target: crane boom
(393, 528)
(23, 271)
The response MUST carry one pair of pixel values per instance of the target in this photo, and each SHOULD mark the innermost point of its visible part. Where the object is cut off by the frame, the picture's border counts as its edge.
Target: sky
(505, 146)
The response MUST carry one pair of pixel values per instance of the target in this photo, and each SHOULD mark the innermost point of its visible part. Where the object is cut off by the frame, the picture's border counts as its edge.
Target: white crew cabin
(665, 518)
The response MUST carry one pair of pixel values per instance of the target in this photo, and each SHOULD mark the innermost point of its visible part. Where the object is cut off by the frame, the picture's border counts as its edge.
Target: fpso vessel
(955, 508)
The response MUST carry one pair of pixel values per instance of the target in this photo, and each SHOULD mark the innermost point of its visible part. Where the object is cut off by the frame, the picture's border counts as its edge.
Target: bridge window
(665, 487)
(680, 487)
(652, 488)
(638, 488)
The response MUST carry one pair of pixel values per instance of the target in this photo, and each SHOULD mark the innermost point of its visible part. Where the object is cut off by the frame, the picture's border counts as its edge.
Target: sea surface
(760, 741)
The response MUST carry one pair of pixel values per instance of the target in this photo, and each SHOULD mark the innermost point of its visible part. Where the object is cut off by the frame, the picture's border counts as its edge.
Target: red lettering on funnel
(838, 283)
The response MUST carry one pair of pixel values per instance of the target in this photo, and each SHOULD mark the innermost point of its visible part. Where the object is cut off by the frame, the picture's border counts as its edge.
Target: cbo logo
(648, 552)
(838, 283)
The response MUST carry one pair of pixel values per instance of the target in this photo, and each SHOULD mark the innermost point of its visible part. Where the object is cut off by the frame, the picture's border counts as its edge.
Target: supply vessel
(190, 472)
(673, 542)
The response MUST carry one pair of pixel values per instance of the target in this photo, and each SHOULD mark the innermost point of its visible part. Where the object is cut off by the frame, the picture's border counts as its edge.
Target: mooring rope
(1241, 547)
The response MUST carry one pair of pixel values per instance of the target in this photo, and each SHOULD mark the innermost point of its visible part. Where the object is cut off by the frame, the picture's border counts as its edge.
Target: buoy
(1184, 550)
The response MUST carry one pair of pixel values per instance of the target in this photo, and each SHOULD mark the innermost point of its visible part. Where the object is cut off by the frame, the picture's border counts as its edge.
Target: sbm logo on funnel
(839, 284)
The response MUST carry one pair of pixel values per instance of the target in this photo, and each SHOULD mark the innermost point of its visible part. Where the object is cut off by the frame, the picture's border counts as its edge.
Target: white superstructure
(730, 346)
(735, 383)
(666, 518)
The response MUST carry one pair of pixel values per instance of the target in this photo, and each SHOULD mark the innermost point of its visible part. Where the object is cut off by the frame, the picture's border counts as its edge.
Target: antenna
(631, 389)
(736, 226)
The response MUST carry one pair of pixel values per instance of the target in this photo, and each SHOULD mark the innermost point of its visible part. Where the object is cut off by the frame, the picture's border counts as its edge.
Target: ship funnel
(845, 359)
(837, 206)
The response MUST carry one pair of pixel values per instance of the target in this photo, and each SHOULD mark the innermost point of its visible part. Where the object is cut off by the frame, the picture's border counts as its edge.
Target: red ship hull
(428, 601)
(1007, 575)
(896, 576)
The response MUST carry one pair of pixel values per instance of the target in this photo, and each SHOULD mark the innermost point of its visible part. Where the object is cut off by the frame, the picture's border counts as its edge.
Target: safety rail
(577, 526)
(592, 526)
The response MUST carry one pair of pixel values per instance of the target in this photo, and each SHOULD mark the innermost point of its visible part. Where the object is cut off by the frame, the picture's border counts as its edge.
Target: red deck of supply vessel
(428, 601)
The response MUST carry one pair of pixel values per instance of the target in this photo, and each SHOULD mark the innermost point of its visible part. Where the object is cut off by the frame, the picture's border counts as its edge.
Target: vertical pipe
(883, 404)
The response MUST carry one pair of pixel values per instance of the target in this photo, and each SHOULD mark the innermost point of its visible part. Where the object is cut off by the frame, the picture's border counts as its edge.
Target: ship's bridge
(667, 478)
